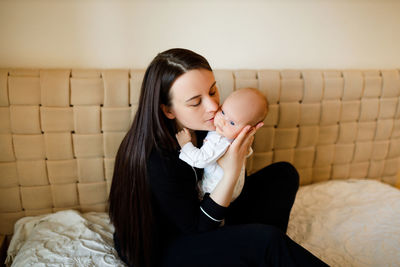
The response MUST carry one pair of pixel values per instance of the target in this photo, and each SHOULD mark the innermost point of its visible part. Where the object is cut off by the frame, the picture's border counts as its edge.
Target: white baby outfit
(214, 146)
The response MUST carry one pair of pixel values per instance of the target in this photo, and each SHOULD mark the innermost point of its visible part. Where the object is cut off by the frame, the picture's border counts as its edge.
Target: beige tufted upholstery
(60, 130)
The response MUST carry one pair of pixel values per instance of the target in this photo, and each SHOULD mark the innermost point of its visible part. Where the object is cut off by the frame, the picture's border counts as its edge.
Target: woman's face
(194, 100)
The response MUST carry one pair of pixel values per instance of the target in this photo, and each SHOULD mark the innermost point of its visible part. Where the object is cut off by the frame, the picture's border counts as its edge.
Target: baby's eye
(232, 123)
(223, 113)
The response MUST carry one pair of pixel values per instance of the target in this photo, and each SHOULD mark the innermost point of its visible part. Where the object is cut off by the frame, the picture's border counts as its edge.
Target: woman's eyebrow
(193, 97)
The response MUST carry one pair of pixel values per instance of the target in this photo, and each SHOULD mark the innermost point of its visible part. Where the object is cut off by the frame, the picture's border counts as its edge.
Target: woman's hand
(232, 161)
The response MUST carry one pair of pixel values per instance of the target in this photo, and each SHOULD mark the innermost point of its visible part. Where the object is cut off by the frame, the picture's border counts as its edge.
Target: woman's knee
(287, 173)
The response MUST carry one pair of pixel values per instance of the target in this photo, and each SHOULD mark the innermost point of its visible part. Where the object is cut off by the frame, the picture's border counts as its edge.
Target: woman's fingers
(259, 125)
(248, 131)
(254, 130)
(249, 137)
(242, 136)
(246, 137)
(243, 141)
(250, 134)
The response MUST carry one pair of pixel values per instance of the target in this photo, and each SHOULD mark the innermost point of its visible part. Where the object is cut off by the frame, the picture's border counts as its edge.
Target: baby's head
(246, 106)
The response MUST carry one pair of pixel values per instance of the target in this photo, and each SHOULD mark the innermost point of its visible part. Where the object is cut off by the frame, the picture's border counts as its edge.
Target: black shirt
(176, 205)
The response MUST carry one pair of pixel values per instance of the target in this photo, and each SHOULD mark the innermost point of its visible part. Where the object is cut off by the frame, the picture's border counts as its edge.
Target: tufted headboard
(60, 130)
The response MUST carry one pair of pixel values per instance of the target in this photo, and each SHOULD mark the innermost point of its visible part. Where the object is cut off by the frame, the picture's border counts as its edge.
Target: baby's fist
(183, 137)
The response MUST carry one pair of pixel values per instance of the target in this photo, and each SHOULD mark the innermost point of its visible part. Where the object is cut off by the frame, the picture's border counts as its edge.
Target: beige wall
(230, 33)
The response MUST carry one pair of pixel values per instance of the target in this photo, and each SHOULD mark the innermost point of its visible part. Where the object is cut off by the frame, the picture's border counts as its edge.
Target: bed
(60, 130)
(335, 220)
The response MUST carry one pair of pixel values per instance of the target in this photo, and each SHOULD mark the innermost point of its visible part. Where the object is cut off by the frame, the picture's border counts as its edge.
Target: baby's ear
(167, 112)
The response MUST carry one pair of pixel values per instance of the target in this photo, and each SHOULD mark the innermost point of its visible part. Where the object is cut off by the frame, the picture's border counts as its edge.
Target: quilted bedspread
(343, 222)
(65, 238)
(348, 222)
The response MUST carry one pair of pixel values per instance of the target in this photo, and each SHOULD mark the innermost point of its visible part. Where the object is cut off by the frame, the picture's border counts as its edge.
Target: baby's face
(232, 117)
(226, 125)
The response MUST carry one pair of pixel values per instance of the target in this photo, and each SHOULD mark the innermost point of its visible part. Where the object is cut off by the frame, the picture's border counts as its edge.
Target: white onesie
(214, 146)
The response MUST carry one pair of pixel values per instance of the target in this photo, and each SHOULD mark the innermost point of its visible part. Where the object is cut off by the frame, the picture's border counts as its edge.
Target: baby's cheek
(233, 132)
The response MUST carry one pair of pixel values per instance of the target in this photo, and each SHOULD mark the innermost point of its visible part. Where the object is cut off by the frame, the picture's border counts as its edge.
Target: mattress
(343, 222)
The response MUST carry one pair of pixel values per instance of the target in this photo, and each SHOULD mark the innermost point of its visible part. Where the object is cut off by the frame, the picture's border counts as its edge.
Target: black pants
(255, 227)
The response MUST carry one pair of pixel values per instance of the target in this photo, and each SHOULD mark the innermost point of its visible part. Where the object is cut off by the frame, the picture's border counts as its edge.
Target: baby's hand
(183, 137)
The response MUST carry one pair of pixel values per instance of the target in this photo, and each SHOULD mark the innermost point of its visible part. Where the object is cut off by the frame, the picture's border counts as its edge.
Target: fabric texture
(348, 222)
(65, 238)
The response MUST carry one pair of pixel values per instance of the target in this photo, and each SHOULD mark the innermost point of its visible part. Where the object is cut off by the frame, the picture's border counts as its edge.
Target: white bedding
(65, 238)
(348, 222)
(345, 223)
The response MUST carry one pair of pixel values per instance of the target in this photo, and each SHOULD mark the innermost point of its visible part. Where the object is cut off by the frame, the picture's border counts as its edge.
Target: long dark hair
(130, 207)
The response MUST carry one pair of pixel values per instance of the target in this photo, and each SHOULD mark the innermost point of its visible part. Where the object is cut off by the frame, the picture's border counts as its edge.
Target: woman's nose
(211, 105)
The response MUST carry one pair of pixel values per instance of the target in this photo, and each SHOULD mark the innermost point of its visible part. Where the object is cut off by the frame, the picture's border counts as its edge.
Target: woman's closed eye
(213, 90)
(197, 104)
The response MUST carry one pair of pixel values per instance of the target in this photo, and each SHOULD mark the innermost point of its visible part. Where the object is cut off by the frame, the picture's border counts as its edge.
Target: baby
(243, 107)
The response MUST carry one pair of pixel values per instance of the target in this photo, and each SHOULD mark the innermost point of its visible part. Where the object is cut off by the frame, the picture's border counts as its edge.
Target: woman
(154, 205)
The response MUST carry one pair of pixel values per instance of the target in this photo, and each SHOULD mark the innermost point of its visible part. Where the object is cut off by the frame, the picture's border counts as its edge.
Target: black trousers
(255, 228)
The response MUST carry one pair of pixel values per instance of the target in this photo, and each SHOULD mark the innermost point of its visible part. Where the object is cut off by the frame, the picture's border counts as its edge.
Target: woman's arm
(173, 185)
(231, 163)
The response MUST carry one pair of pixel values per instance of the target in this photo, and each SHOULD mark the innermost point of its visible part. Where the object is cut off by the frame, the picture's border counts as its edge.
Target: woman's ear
(167, 112)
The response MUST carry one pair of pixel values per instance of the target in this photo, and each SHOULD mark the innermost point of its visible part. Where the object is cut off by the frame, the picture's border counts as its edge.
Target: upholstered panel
(329, 124)
(60, 130)
(59, 133)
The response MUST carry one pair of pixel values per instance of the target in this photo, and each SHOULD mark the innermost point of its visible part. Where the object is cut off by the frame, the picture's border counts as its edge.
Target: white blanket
(348, 222)
(345, 223)
(65, 238)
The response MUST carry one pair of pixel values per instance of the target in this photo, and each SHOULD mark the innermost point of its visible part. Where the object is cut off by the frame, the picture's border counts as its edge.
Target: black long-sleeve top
(176, 205)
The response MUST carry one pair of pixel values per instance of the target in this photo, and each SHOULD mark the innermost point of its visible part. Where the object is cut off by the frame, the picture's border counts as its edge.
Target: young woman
(154, 204)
